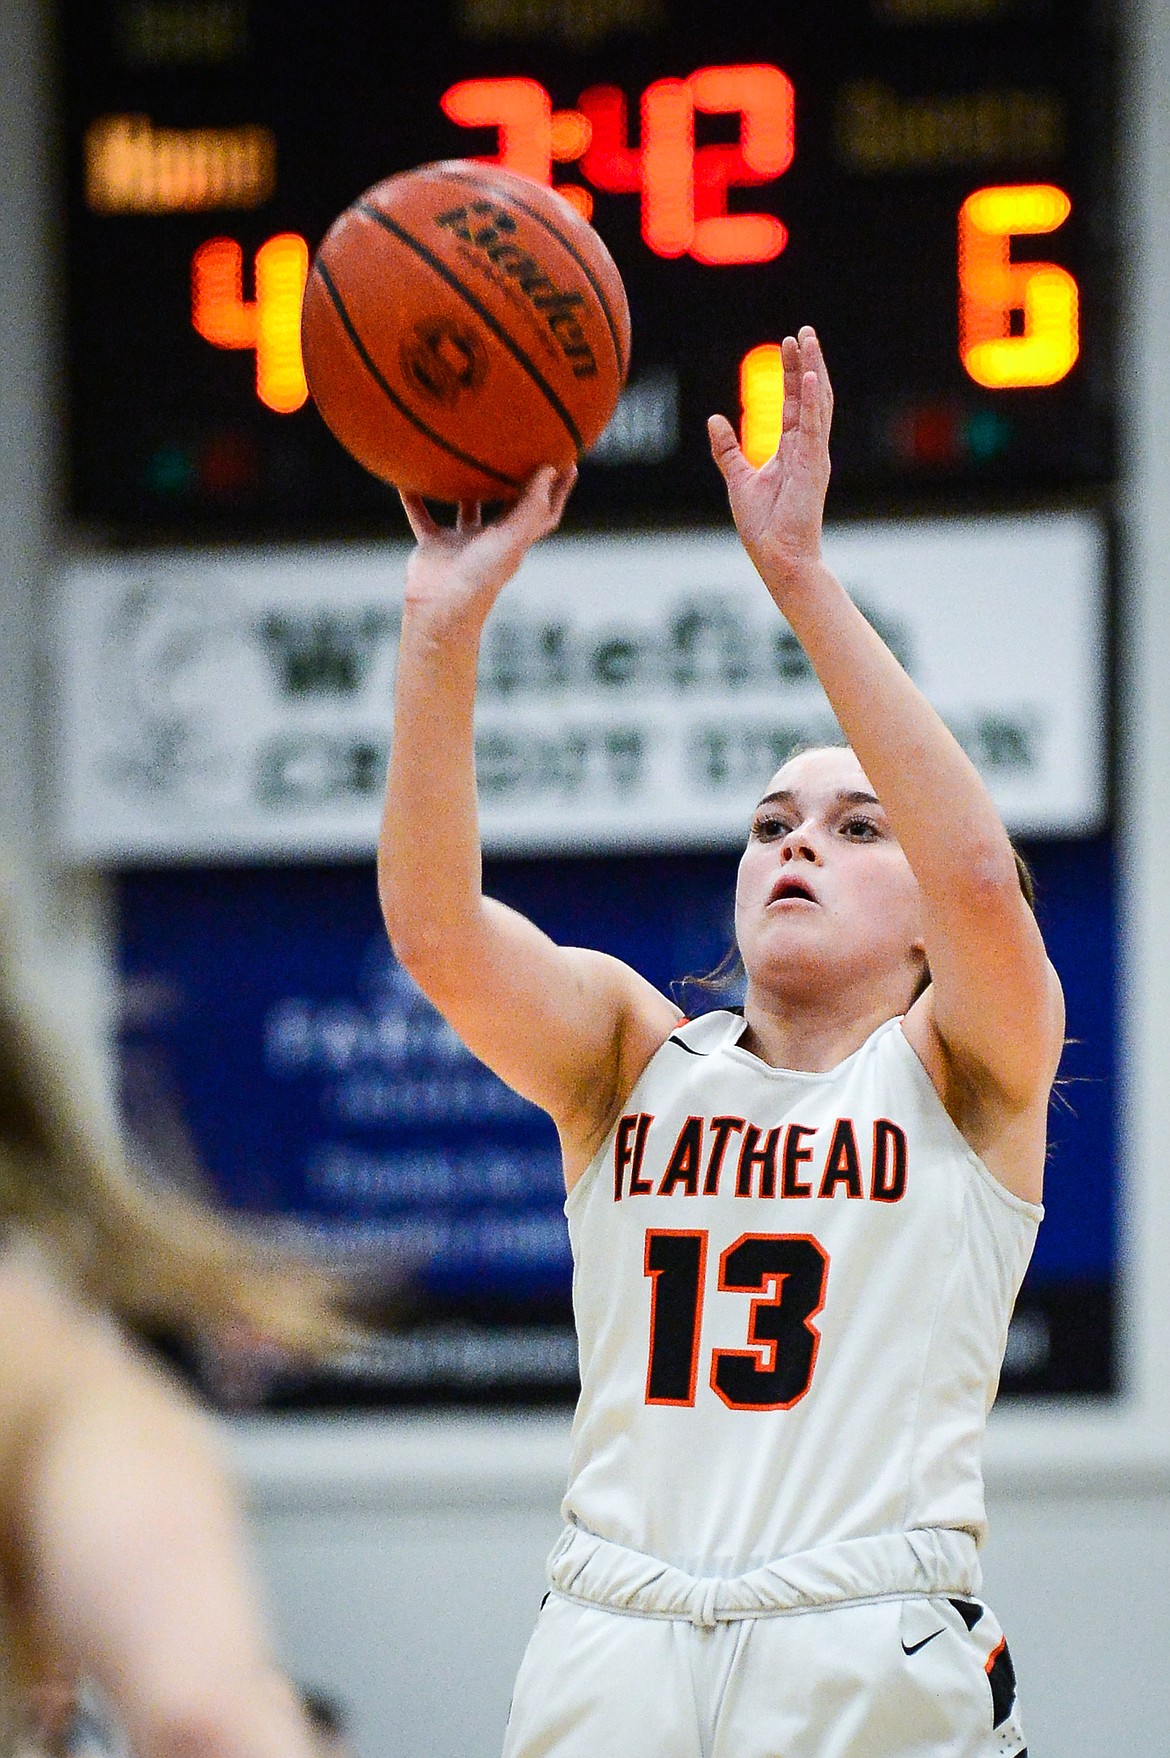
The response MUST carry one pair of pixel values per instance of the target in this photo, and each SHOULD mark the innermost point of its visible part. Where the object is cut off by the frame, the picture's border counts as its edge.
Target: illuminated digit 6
(992, 288)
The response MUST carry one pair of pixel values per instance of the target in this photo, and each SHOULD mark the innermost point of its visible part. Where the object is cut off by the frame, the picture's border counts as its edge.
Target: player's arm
(994, 1004)
(568, 1028)
(122, 1536)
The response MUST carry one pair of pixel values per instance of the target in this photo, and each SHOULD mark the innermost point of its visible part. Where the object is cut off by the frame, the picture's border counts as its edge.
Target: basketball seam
(505, 196)
(465, 293)
(403, 408)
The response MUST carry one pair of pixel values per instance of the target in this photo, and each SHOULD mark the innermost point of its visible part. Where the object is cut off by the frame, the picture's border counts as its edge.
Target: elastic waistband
(893, 1565)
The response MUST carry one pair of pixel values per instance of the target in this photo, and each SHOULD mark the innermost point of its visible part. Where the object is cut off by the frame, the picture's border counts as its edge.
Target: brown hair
(122, 1239)
(729, 971)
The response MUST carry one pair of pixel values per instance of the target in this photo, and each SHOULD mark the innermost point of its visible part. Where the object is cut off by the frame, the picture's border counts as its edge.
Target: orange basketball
(462, 326)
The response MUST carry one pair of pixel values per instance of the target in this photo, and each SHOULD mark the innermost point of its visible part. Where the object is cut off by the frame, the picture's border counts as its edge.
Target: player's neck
(813, 1035)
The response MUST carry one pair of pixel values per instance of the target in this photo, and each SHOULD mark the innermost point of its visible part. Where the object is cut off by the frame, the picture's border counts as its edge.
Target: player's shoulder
(637, 1005)
(642, 1020)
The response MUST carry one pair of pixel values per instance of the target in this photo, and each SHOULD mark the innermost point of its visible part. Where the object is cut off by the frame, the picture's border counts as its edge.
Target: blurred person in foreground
(122, 1557)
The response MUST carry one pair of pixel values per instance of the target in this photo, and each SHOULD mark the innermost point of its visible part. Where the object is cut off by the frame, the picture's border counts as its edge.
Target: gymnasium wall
(403, 1556)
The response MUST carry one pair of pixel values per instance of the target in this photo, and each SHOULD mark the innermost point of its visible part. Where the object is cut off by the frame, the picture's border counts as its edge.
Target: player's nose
(799, 845)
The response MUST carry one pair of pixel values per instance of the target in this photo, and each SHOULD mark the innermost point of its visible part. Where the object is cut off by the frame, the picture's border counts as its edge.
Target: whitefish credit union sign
(635, 692)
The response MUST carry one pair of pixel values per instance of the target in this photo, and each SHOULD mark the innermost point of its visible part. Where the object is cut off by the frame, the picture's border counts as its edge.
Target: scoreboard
(929, 182)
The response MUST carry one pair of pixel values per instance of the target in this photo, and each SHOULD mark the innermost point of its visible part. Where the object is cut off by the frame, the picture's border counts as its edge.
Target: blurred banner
(636, 692)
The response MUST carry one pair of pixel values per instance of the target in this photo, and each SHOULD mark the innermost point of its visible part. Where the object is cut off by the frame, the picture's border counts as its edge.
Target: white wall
(1078, 1579)
(404, 1563)
(404, 1558)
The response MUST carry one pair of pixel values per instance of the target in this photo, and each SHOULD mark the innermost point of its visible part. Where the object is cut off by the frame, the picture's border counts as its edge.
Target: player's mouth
(791, 889)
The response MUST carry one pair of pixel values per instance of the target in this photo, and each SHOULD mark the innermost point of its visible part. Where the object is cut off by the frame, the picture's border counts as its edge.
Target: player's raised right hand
(458, 571)
(778, 508)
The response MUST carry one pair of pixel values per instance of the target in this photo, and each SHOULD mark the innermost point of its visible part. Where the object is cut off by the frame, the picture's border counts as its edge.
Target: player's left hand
(778, 509)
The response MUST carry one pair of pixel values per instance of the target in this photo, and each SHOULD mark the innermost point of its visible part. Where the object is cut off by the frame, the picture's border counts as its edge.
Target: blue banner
(323, 1094)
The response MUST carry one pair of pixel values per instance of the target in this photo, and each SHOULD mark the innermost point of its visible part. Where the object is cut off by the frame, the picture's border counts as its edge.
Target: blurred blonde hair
(120, 1238)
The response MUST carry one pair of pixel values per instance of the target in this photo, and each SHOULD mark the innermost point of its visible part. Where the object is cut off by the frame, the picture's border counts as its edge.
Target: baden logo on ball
(492, 230)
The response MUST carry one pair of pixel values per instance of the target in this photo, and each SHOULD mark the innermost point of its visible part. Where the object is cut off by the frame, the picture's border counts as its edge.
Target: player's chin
(793, 921)
(784, 952)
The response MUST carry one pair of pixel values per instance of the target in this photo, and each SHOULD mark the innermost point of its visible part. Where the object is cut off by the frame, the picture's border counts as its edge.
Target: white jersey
(792, 1294)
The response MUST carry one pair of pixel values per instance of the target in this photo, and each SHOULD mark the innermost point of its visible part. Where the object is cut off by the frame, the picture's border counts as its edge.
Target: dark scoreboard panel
(928, 181)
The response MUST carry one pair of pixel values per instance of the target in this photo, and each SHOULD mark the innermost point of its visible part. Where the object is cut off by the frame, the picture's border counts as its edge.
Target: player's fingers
(813, 360)
(530, 514)
(811, 412)
(815, 395)
(542, 488)
(419, 519)
(790, 356)
(470, 516)
(733, 466)
(561, 489)
(540, 483)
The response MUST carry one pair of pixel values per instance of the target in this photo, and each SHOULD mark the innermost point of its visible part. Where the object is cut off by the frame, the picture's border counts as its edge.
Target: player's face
(825, 894)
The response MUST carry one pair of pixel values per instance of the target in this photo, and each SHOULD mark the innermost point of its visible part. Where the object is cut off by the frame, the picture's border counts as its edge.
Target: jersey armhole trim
(1019, 1204)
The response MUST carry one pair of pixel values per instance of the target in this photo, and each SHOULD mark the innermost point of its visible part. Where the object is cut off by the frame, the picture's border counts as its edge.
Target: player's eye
(860, 829)
(769, 828)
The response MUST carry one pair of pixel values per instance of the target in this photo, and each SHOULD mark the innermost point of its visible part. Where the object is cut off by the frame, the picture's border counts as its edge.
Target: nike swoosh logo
(915, 1646)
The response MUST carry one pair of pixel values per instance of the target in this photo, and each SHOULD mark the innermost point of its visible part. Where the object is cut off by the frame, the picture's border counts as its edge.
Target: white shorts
(895, 1675)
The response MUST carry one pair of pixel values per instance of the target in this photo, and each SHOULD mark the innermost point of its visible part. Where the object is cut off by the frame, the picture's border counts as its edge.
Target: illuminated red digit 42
(683, 186)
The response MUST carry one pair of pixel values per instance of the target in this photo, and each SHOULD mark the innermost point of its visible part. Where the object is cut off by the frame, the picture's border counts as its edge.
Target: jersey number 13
(787, 1270)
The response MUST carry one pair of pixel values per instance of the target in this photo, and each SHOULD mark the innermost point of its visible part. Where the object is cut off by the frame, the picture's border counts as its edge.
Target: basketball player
(122, 1560)
(798, 1231)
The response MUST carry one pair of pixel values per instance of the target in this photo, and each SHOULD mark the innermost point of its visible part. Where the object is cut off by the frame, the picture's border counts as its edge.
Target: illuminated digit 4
(270, 323)
(992, 288)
